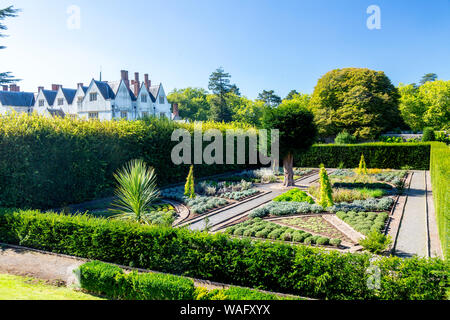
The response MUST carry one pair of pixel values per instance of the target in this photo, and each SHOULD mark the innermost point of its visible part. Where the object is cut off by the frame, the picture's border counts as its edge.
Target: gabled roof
(115, 85)
(105, 89)
(50, 96)
(17, 99)
(69, 94)
(154, 91)
(84, 89)
(56, 112)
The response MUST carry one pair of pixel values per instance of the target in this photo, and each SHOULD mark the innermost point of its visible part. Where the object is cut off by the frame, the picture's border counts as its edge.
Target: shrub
(378, 155)
(335, 242)
(105, 279)
(344, 138)
(84, 156)
(326, 196)
(323, 241)
(376, 242)
(295, 195)
(428, 135)
(189, 187)
(273, 266)
(362, 169)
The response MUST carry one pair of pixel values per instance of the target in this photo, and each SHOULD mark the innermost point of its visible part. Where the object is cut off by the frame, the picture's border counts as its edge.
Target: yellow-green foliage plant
(326, 193)
(189, 187)
(362, 169)
(440, 180)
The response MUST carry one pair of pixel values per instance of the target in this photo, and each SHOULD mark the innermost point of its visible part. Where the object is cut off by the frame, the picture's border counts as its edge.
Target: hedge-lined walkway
(417, 235)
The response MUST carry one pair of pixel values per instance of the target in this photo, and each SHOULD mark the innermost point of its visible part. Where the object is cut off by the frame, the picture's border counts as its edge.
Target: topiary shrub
(345, 138)
(376, 242)
(428, 135)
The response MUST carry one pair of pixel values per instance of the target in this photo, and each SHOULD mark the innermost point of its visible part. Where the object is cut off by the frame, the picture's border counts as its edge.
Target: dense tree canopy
(428, 77)
(297, 131)
(362, 101)
(427, 105)
(192, 103)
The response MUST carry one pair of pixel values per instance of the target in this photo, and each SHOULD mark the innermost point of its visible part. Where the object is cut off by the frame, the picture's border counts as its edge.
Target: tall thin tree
(6, 77)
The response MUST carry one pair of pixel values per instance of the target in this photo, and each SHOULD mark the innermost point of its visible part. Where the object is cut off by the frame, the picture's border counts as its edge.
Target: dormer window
(93, 96)
(144, 98)
(161, 100)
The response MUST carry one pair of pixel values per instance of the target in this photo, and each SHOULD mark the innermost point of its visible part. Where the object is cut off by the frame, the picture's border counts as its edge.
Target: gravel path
(413, 234)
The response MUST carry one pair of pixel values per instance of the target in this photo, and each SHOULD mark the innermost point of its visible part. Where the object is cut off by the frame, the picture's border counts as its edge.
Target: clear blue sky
(264, 44)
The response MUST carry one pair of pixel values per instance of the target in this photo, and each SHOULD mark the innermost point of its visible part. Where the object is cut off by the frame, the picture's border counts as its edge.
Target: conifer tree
(189, 187)
(362, 170)
(326, 193)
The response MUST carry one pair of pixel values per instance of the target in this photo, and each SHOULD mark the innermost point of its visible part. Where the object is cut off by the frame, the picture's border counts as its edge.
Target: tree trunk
(288, 166)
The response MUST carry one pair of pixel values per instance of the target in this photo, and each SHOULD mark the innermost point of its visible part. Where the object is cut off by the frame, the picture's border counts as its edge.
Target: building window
(144, 114)
(80, 100)
(93, 96)
(41, 103)
(124, 115)
(93, 115)
(60, 102)
(161, 100)
(162, 114)
(144, 98)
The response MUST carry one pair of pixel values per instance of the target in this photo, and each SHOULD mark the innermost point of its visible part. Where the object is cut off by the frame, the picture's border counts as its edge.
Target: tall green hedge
(377, 155)
(440, 179)
(47, 163)
(299, 270)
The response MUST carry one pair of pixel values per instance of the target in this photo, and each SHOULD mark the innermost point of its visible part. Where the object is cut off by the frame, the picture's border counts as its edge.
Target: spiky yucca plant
(136, 192)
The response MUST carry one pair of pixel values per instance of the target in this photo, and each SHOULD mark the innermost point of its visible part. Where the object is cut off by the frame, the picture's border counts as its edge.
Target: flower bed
(383, 204)
(283, 208)
(364, 222)
(240, 195)
(263, 229)
(346, 195)
(316, 225)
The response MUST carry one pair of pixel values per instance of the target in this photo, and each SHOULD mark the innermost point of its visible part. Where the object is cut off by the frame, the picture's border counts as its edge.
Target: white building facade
(101, 100)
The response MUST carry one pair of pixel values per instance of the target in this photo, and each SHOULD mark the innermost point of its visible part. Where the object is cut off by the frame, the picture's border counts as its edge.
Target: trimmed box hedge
(277, 267)
(377, 155)
(111, 281)
(440, 179)
(52, 162)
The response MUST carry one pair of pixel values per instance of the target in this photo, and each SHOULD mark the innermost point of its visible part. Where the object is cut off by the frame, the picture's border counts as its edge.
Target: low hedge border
(111, 281)
(297, 270)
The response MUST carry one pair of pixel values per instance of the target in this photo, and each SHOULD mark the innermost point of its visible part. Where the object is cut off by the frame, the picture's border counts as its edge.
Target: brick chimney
(5, 88)
(136, 84)
(55, 87)
(40, 89)
(124, 77)
(146, 81)
(175, 111)
(79, 85)
(12, 87)
(17, 89)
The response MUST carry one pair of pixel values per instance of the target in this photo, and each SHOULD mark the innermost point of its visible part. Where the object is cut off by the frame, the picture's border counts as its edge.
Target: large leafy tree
(362, 101)
(427, 105)
(6, 77)
(297, 132)
(291, 95)
(192, 103)
(219, 84)
(269, 98)
(249, 111)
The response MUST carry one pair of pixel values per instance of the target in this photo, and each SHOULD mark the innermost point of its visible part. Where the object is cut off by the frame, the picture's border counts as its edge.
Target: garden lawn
(22, 288)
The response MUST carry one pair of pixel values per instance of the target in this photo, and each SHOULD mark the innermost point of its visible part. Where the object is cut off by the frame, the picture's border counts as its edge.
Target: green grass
(22, 288)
